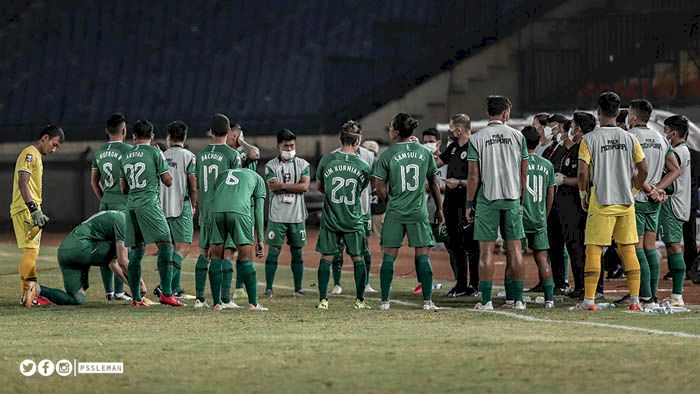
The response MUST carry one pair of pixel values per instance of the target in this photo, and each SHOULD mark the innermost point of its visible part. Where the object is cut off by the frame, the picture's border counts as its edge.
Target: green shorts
(231, 226)
(670, 227)
(146, 225)
(182, 227)
(420, 234)
(105, 206)
(487, 221)
(330, 242)
(88, 254)
(647, 220)
(205, 230)
(536, 240)
(294, 232)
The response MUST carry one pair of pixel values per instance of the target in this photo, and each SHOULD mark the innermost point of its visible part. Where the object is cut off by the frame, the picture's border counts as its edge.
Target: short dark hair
(142, 129)
(220, 125)
(52, 131)
(621, 117)
(642, 109)
(609, 104)
(115, 122)
(177, 131)
(431, 131)
(585, 121)
(285, 135)
(567, 125)
(404, 124)
(461, 120)
(350, 132)
(532, 137)
(557, 118)
(678, 123)
(542, 118)
(496, 105)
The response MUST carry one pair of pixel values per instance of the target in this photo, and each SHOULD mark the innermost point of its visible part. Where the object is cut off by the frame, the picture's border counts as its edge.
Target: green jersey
(247, 162)
(108, 162)
(540, 177)
(141, 169)
(344, 177)
(406, 167)
(104, 226)
(213, 160)
(234, 190)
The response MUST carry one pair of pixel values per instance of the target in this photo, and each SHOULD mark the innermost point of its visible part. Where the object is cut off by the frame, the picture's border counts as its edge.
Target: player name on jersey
(408, 155)
(344, 167)
(110, 153)
(134, 154)
(212, 156)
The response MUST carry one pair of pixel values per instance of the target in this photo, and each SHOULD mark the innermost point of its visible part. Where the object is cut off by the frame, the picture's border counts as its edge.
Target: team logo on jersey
(463, 155)
(271, 235)
(29, 158)
(244, 156)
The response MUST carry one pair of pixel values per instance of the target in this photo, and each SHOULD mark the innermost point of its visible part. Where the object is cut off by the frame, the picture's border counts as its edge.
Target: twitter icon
(27, 367)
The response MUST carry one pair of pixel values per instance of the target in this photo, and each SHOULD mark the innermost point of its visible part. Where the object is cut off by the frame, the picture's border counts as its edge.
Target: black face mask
(453, 137)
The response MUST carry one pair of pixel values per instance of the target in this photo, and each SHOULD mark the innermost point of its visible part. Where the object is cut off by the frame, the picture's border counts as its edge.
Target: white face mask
(288, 154)
(431, 145)
(560, 138)
(572, 134)
(547, 132)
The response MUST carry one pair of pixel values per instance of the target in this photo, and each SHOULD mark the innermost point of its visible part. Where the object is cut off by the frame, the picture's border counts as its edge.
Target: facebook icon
(46, 367)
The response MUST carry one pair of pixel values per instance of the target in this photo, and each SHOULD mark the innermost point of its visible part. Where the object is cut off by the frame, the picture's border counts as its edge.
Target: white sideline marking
(397, 302)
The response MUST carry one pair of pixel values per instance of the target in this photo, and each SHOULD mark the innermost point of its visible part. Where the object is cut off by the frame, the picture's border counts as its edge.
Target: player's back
(181, 163)
(213, 160)
(345, 177)
(142, 168)
(104, 226)
(655, 149)
(540, 176)
(108, 162)
(499, 150)
(405, 167)
(234, 190)
(612, 152)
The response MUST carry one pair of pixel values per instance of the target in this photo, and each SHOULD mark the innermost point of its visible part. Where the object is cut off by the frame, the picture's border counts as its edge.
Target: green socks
(226, 280)
(200, 276)
(247, 270)
(485, 288)
(177, 270)
(324, 274)
(215, 278)
(239, 279)
(653, 261)
(271, 267)
(360, 278)
(337, 268)
(644, 275)
(676, 265)
(165, 262)
(368, 265)
(135, 257)
(107, 278)
(60, 297)
(424, 272)
(548, 285)
(518, 288)
(297, 268)
(508, 284)
(386, 275)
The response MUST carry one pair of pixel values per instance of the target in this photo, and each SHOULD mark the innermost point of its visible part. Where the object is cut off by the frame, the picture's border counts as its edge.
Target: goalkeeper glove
(38, 217)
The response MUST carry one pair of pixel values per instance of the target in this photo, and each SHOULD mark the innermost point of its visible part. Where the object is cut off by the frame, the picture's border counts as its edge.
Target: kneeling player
(98, 241)
(537, 203)
(232, 216)
(347, 175)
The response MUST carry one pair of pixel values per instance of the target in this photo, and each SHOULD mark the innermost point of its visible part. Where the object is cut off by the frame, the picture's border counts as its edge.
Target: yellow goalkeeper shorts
(601, 229)
(22, 223)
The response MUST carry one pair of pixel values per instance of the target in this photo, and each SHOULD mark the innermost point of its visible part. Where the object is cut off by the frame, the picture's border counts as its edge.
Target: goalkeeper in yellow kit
(25, 209)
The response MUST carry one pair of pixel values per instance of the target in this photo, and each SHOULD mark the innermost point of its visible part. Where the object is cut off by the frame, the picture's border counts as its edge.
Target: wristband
(470, 204)
(32, 206)
(583, 194)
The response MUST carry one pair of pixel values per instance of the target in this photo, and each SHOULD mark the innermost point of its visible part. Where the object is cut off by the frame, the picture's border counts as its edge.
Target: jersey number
(212, 169)
(231, 179)
(108, 179)
(341, 183)
(132, 173)
(409, 177)
(534, 187)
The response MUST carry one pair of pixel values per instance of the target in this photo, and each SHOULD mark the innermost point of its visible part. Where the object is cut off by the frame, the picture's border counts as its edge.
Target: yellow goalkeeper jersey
(29, 161)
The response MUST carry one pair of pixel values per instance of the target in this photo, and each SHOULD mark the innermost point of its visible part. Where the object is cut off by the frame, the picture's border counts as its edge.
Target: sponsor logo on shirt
(612, 145)
(499, 139)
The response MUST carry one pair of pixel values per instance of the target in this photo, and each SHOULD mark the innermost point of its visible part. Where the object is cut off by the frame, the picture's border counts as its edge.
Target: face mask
(547, 132)
(430, 145)
(288, 154)
(571, 134)
(560, 138)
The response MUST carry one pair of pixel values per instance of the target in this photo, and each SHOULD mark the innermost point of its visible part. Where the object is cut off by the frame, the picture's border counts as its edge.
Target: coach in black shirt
(463, 249)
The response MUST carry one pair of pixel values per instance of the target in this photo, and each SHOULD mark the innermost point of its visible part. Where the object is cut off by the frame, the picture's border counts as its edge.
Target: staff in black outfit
(464, 250)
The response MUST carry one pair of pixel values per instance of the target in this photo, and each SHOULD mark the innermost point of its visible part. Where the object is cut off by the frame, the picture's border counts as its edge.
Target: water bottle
(437, 286)
(539, 300)
(604, 305)
(501, 294)
(527, 299)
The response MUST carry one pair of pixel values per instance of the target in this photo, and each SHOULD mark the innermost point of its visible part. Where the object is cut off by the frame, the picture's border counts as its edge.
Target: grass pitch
(296, 348)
